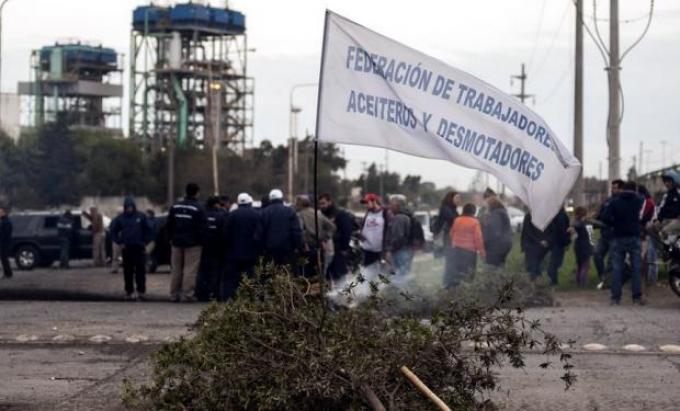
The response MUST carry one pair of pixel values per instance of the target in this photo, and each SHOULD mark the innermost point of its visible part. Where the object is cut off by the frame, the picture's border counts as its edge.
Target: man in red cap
(373, 229)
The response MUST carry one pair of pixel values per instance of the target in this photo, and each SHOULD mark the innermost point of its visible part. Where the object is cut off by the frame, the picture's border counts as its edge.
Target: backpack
(416, 235)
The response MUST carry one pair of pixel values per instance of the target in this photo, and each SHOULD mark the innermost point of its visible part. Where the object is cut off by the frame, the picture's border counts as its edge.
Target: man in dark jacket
(400, 251)
(602, 263)
(623, 215)
(669, 209)
(344, 226)
(212, 256)
(186, 222)
(496, 230)
(242, 233)
(281, 230)
(65, 232)
(5, 242)
(535, 246)
(559, 240)
(131, 230)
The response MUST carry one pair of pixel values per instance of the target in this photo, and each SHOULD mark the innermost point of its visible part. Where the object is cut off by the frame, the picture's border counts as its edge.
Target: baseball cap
(244, 198)
(275, 194)
(370, 197)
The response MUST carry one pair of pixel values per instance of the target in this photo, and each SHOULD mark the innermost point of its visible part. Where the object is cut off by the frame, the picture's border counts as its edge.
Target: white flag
(377, 92)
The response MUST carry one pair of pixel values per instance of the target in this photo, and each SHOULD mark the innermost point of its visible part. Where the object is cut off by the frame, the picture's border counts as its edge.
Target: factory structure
(76, 82)
(188, 78)
(188, 81)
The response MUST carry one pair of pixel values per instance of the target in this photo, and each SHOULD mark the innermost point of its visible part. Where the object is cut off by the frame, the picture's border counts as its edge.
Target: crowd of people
(214, 244)
(484, 232)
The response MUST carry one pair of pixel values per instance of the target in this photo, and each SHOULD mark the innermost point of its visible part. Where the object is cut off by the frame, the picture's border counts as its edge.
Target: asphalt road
(67, 340)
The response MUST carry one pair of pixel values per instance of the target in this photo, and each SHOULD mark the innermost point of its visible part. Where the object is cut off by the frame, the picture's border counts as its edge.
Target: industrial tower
(75, 82)
(188, 78)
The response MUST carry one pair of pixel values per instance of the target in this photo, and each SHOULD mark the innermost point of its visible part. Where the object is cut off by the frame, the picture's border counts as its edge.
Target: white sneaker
(600, 285)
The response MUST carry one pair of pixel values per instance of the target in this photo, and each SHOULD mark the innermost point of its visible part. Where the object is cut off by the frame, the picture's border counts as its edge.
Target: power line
(552, 42)
(644, 32)
(538, 32)
(597, 29)
(592, 36)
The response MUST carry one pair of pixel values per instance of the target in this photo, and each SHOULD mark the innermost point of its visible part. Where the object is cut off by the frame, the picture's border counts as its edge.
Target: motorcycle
(672, 257)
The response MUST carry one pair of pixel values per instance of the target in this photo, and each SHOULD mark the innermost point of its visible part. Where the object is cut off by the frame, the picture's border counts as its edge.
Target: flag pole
(322, 274)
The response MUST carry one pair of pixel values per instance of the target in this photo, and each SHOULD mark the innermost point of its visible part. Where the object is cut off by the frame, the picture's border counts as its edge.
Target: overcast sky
(488, 38)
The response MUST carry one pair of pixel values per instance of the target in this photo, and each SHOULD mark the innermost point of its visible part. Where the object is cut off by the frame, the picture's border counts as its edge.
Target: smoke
(422, 290)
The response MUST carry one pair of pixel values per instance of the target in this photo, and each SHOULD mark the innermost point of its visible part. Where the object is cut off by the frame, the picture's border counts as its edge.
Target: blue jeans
(403, 259)
(620, 248)
(533, 257)
(602, 263)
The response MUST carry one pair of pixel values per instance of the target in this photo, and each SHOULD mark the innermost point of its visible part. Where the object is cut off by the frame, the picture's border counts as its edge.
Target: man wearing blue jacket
(623, 215)
(186, 222)
(242, 234)
(281, 231)
(131, 230)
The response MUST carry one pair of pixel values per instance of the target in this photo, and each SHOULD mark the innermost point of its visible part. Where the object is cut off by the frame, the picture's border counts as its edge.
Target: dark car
(35, 239)
(161, 252)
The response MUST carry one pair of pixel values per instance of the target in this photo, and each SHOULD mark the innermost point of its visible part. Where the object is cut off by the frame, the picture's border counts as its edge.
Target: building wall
(10, 114)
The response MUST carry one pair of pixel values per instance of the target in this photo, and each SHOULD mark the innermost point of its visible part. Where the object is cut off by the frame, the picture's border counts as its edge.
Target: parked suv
(35, 240)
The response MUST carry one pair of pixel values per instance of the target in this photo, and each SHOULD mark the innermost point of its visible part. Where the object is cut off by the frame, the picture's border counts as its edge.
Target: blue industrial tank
(219, 17)
(190, 14)
(150, 15)
(237, 20)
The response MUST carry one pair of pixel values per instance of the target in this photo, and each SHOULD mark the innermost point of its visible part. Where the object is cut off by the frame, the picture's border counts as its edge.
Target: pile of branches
(279, 346)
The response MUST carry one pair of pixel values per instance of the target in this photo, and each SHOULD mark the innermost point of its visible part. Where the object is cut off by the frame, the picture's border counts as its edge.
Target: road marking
(100, 338)
(137, 338)
(26, 338)
(63, 338)
(594, 347)
(634, 347)
(670, 348)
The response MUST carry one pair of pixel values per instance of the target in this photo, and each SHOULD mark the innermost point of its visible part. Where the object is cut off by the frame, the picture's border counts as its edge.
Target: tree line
(54, 165)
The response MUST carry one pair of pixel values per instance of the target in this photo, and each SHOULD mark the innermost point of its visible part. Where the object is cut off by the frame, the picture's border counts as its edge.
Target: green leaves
(275, 348)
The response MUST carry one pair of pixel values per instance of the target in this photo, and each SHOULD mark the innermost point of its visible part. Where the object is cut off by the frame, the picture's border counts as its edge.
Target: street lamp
(2, 5)
(292, 142)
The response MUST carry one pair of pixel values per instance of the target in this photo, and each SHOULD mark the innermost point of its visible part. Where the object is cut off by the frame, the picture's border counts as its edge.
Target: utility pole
(648, 155)
(640, 157)
(171, 170)
(522, 90)
(613, 124)
(578, 194)
(2, 6)
(663, 153)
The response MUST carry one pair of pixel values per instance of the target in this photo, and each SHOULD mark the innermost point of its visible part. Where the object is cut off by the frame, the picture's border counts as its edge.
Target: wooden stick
(423, 389)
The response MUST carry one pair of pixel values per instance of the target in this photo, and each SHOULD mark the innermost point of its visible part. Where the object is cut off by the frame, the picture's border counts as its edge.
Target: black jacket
(583, 246)
(186, 222)
(497, 231)
(559, 237)
(606, 231)
(243, 233)
(447, 215)
(623, 214)
(344, 226)
(532, 237)
(5, 234)
(281, 230)
(131, 228)
(213, 232)
(670, 205)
